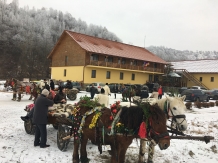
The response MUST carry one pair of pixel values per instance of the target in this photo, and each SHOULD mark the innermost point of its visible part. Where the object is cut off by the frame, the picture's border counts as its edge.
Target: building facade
(88, 59)
(198, 73)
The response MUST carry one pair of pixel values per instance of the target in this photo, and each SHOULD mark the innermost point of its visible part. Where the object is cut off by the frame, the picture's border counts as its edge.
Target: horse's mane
(157, 112)
(131, 117)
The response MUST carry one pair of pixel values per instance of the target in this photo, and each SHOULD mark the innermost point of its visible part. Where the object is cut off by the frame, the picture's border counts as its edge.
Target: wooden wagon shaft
(67, 137)
(201, 138)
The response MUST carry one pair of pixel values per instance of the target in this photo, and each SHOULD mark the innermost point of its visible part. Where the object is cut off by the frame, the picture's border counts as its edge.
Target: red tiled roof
(113, 48)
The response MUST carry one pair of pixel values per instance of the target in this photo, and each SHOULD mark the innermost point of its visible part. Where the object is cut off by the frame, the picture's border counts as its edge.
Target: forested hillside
(28, 35)
(169, 54)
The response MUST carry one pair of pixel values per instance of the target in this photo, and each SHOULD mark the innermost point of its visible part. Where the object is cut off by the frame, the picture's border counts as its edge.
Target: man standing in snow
(40, 118)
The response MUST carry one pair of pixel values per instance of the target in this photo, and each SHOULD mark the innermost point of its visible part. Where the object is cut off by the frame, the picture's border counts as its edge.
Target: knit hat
(45, 92)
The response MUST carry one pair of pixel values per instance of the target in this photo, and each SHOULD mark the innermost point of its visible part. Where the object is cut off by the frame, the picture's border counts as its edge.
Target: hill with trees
(28, 35)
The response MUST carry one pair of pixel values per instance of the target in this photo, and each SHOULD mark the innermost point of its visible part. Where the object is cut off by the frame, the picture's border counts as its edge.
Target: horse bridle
(154, 135)
(174, 117)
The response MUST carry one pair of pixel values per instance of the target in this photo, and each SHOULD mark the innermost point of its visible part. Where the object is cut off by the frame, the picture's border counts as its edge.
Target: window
(200, 79)
(66, 59)
(93, 74)
(65, 72)
(212, 79)
(121, 76)
(94, 57)
(119, 61)
(110, 59)
(108, 75)
(133, 76)
(135, 63)
(123, 61)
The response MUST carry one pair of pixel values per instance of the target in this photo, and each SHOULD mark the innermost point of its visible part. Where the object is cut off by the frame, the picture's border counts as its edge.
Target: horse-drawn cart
(29, 126)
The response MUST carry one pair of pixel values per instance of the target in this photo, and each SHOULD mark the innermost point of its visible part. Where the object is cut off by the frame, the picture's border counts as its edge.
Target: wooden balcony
(124, 66)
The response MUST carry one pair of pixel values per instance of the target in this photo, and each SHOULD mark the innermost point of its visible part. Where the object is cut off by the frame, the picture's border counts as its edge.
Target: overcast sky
(178, 24)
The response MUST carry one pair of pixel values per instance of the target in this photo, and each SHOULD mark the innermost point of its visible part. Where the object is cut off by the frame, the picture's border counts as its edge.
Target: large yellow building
(198, 73)
(88, 59)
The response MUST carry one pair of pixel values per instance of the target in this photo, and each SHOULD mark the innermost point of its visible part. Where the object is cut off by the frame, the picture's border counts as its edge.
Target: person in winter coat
(115, 90)
(154, 94)
(60, 97)
(144, 93)
(107, 89)
(160, 92)
(47, 86)
(93, 90)
(40, 118)
(52, 84)
(69, 85)
(102, 98)
(41, 85)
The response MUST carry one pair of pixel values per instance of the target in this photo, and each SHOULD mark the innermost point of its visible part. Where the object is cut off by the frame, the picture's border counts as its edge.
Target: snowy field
(16, 146)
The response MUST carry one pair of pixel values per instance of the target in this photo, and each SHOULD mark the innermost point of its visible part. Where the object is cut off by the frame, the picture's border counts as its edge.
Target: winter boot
(19, 98)
(14, 97)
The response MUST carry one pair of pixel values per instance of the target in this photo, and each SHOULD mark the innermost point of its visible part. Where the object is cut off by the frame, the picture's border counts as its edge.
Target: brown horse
(128, 93)
(131, 118)
(20, 87)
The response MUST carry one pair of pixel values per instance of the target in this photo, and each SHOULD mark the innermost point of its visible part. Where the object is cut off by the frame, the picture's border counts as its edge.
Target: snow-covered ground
(16, 146)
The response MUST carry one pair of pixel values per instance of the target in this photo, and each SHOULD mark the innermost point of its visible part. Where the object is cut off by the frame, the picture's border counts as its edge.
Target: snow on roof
(199, 66)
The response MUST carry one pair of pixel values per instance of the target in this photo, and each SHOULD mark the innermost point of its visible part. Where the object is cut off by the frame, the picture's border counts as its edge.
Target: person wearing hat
(107, 89)
(103, 98)
(40, 118)
(60, 97)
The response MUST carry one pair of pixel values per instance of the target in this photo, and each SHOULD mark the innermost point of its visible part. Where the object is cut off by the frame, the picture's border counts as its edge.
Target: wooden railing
(124, 66)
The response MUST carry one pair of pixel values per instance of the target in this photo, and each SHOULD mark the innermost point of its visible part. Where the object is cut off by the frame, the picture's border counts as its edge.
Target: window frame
(93, 74)
(108, 74)
(133, 77)
(211, 79)
(65, 72)
(121, 75)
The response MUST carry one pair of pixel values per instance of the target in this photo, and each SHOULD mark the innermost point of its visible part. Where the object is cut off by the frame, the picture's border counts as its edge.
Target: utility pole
(144, 41)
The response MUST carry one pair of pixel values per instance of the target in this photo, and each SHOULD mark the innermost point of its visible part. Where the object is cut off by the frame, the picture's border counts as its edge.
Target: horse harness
(168, 109)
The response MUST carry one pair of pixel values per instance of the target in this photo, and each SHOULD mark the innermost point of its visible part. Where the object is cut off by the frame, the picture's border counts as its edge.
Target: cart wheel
(55, 126)
(62, 132)
(29, 127)
(71, 95)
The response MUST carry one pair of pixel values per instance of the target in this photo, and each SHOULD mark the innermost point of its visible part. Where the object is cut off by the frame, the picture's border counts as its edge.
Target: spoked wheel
(29, 127)
(62, 132)
(71, 95)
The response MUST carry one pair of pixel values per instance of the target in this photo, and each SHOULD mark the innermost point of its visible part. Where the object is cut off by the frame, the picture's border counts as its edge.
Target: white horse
(174, 109)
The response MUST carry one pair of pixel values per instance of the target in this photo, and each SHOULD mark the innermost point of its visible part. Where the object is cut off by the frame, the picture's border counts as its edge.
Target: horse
(129, 93)
(19, 87)
(174, 109)
(120, 132)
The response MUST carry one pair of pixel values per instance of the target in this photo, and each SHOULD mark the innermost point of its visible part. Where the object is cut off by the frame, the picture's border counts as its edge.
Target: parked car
(111, 86)
(212, 93)
(77, 86)
(97, 85)
(195, 95)
(198, 87)
(152, 86)
(182, 89)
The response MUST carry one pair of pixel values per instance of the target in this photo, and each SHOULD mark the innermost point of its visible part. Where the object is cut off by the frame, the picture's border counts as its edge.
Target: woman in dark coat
(60, 97)
(40, 118)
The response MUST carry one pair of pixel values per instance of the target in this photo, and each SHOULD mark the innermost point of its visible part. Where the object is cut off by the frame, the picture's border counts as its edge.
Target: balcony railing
(124, 66)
